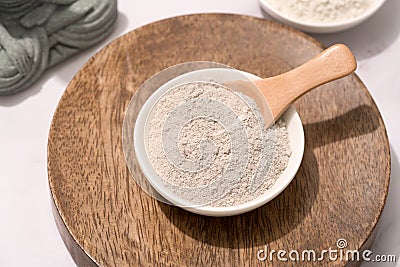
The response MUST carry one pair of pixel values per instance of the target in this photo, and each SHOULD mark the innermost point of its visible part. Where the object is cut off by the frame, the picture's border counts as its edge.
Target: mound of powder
(326, 11)
(200, 132)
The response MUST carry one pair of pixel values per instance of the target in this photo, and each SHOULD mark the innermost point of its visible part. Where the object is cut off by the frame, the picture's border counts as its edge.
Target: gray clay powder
(323, 11)
(211, 147)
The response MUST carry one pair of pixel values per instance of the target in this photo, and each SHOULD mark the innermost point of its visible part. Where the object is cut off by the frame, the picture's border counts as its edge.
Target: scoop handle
(280, 91)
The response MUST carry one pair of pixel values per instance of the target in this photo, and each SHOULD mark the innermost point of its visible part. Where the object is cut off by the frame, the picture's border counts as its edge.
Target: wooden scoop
(275, 94)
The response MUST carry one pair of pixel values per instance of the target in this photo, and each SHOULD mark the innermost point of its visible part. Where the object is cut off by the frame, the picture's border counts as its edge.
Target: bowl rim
(273, 11)
(148, 169)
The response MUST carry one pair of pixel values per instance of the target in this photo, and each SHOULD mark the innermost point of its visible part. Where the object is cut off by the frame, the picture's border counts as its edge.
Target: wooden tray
(106, 219)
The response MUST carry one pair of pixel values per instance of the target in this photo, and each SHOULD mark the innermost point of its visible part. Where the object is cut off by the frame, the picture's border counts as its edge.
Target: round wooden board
(106, 219)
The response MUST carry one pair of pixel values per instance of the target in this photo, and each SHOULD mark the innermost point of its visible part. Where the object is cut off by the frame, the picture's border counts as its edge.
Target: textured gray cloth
(36, 34)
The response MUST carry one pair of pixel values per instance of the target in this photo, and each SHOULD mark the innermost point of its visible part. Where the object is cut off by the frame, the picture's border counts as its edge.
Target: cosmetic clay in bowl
(205, 148)
(321, 16)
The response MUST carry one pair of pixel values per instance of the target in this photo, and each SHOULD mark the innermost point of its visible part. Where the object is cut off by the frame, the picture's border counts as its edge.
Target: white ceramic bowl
(296, 135)
(320, 27)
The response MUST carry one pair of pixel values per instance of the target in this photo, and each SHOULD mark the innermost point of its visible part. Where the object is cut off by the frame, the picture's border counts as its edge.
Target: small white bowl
(320, 27)
(293, 124)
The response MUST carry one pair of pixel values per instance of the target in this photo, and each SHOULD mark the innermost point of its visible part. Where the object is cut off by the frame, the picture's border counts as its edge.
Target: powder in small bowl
(210, 145)
(322, 11)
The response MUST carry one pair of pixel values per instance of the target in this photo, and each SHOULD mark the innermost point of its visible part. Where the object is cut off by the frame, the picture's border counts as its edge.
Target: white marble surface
(28, 235)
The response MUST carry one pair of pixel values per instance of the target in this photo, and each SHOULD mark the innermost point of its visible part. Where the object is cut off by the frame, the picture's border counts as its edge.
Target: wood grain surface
(105, 219)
